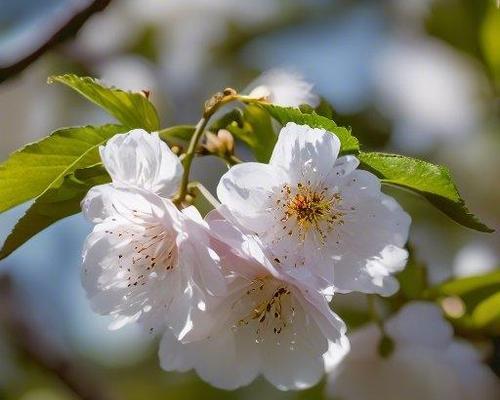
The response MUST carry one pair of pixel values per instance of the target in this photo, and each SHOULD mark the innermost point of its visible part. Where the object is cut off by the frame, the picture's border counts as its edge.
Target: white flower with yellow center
(145, 260)
(427, 362)
(319, 212)
(268, 323)
(283, 88)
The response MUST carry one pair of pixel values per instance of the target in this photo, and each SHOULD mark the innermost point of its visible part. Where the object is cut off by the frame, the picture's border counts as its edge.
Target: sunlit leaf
(183, 132)
(39, 166)
(60, 201)
(434, 182)
(480, 296)
(462, 286)
(132, 109)
(349, 144)
(256, 131)
(488, 311)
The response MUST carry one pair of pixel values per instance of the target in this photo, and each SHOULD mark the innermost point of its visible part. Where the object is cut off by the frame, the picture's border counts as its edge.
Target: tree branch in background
(68, 30)
(33, 343)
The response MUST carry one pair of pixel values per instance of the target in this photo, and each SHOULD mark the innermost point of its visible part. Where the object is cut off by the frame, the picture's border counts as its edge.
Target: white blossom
(138, 160)
(427, 362)
(268, 323)
(316, 210)
(284, 88)
(145, 260)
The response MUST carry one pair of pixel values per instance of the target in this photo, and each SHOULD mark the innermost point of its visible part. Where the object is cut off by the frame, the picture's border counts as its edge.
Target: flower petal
(305, 153)
(142, 160)
(246, 190)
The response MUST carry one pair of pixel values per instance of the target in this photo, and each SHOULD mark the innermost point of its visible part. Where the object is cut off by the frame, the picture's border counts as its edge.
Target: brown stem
(69, 29)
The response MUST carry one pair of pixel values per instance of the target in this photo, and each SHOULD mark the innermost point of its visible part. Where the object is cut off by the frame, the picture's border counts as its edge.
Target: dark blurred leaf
(132, 109)
(490, 34)
(60, 201)
(324, 109)
(434, 182)
(413, 279)
(235, 115)
(179, 132)
(256, 131)
(349, 144)
(40, 166)
(146, 44)
(457, 22)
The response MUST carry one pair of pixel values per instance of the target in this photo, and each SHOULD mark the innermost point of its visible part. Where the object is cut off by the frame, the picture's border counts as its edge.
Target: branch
(66, 31)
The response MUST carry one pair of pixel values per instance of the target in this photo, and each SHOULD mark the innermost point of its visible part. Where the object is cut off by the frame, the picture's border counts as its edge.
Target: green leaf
(480, 296)
(256, 131)
(412, 279)
(178, 132)
(488, 311)
(348, 143)
(462, 286)
(434, 182)
(132, 109)
(54, 204)
(203, 200)
(234, 115)
(324, 109)
(489, 34)
(39, 166)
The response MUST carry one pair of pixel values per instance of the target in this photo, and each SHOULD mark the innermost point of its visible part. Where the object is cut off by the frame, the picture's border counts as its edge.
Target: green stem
(231, 159)
(189, 156)
(211, 106)
(372, 309)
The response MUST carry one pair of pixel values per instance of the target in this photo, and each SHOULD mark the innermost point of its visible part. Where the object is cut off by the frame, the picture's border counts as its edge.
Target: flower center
(143, 253)
(267, 305)
(305, 208)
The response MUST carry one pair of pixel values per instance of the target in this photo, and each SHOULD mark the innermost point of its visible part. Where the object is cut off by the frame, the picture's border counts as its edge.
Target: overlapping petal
(319, 212)
(267, 323)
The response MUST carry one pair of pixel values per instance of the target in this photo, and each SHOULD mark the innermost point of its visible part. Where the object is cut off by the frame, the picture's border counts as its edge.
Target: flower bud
(221, 143)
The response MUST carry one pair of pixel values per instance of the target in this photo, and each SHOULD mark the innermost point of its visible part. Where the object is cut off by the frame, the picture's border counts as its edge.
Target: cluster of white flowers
(245, 291)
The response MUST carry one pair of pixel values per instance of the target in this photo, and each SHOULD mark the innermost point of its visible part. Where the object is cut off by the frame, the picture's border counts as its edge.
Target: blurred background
(419, 77)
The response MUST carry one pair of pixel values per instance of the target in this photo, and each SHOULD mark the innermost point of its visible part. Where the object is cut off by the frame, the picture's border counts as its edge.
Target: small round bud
(176, 149)
(226, 140)
(213, 143)
(221, 143)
